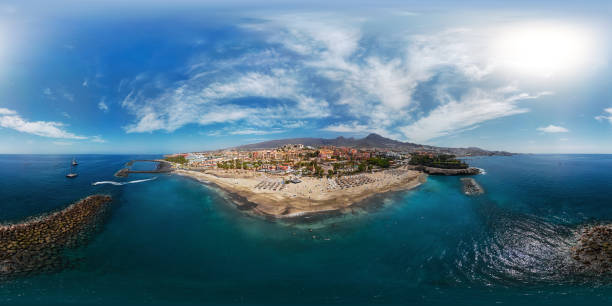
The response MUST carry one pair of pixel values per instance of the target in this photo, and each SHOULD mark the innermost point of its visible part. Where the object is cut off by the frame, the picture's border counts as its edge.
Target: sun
(542, 49)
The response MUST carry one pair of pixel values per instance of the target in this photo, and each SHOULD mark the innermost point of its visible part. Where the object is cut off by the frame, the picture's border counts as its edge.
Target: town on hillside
(301, 160)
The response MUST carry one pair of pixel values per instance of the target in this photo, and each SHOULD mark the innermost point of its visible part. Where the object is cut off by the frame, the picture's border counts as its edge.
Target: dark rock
(441, 171)
(36, 245)
(471, 187)
(593, 249)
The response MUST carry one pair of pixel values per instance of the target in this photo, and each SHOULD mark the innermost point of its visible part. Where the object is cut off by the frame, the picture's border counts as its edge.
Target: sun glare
(542, 49)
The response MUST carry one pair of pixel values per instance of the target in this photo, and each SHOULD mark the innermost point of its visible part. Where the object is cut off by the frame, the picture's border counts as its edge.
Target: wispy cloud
(196, 102)
(606, 116)
(318, 66)
(103, 106)
(48, 92)
(255, 132)
(62, 143)
(62, 93)
(553, 129)
(97, 139)
(455, 116)
(11, 120)
(68, 96)
(240, 130)
(6, 111)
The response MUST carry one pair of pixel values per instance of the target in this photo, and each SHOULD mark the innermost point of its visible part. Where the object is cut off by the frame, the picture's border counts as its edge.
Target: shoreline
(293, 201)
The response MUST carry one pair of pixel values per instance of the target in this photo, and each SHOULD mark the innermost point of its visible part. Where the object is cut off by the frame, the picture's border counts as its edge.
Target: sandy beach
(270, 197)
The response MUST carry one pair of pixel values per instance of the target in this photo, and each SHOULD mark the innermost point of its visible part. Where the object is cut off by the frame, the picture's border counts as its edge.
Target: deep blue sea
(173, 241)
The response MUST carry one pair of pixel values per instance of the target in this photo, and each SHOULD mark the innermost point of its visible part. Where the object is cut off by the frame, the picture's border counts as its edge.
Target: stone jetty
(471, 187)
(594, 249)
(38, 244)
(162, 167)
(442, 171)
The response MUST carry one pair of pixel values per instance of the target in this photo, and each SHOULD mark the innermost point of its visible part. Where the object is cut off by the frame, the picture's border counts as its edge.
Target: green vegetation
(444, 161)
(311, 154)
(380, 162)
(237, 164)
(176, 159)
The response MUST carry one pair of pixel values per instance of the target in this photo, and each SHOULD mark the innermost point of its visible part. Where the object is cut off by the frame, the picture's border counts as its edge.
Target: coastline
(310, 197)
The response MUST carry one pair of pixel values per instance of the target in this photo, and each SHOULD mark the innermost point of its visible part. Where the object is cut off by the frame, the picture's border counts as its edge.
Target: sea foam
(122, 183)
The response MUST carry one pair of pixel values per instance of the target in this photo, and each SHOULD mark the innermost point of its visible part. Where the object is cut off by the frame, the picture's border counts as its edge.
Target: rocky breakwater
(593, 251)
(471, 187)
(38, 244)
(162, 167)
(443, 171)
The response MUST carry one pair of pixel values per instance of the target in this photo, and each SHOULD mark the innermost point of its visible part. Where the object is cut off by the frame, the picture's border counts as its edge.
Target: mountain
(370, 141)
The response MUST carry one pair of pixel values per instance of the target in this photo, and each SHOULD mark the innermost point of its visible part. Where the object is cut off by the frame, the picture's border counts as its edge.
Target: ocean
(172, 241)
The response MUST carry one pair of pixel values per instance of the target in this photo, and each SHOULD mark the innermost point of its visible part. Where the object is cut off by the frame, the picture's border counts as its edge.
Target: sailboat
(72, 174)
(74, 162)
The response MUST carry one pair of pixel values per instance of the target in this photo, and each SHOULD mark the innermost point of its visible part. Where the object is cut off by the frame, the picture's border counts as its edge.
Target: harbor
(161, 167)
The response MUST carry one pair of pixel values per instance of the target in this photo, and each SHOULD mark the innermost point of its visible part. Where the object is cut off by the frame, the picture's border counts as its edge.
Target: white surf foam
(122, 183)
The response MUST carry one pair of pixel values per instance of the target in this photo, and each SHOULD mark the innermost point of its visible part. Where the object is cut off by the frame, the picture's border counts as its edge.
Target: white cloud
(352, 127)
(192, 101)
(376, 90)
(68, 96)
(65, 114)
(62, 143)
(53, 94)
(6, 111)
(48, 92)
(320, 66)
(214, 133)
(255, 132)
(456, 116)
(607, 116)
(292, 124)
(102, 106)
(405, 13)
(357, 128)
(553, 129)
(85, 83)
(240, 130)
(97, 139)
(11, 120)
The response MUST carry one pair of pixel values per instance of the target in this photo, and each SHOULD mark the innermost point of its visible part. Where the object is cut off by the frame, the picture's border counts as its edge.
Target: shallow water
(175, 241)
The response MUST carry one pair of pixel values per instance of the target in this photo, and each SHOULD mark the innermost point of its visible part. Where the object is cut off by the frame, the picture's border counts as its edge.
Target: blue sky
(157, 77)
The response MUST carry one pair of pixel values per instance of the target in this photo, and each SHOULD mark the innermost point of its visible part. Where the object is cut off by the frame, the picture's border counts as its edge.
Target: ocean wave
(122, 183)
(482, 171)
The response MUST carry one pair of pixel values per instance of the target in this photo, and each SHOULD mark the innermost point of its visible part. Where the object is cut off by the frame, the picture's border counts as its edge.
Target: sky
(178, 76)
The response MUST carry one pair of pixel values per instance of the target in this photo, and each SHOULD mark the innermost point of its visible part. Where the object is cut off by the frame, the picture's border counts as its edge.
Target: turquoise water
(173, 241)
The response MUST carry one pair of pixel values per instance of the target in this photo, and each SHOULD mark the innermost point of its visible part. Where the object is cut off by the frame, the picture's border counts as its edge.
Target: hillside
(371, 141)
